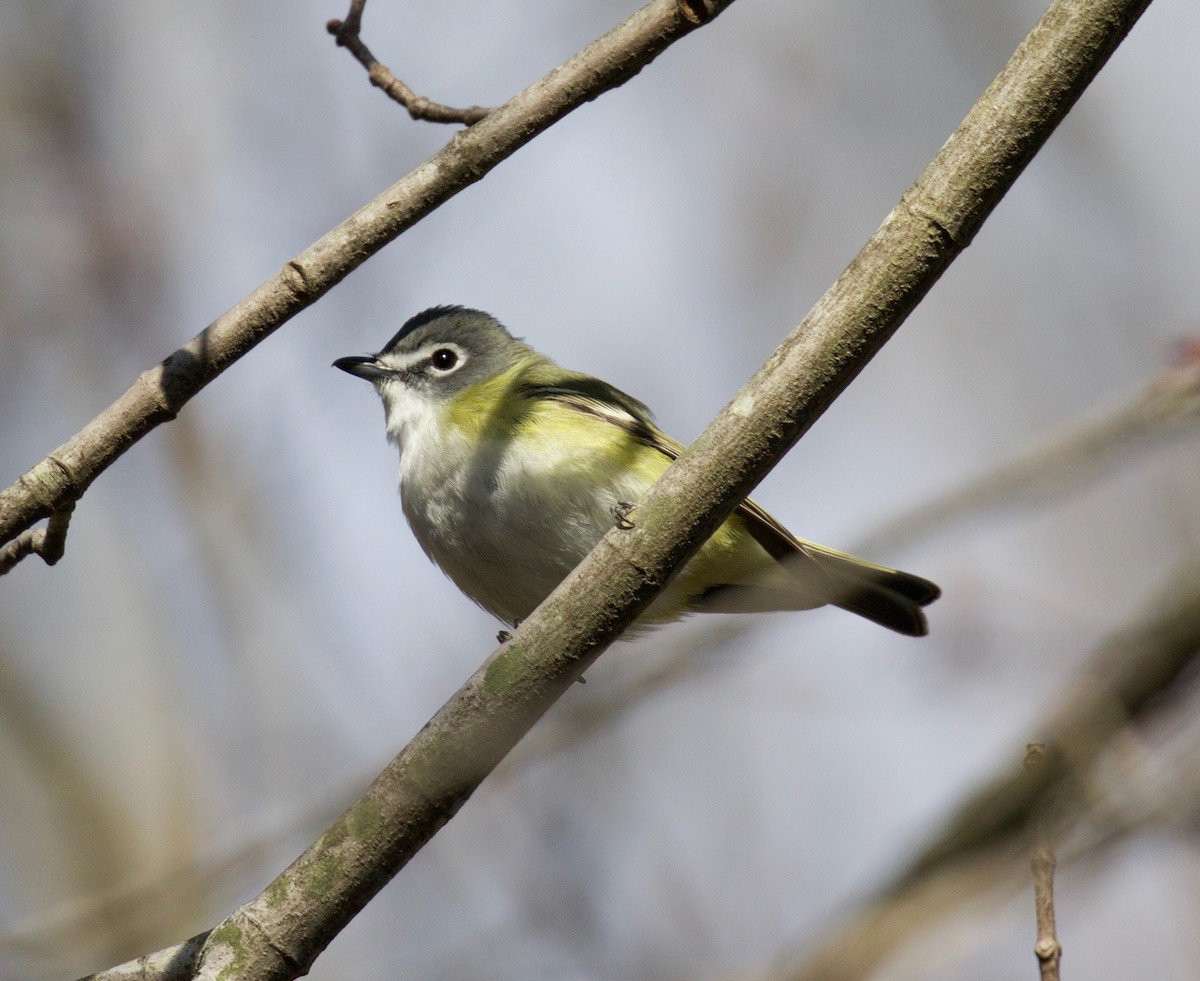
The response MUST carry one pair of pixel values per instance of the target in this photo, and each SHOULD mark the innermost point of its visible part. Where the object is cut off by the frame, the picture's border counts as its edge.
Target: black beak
(363, 367)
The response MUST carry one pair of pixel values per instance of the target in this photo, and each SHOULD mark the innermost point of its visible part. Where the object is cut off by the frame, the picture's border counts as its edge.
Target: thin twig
(347, 33)
(49, 542)
(1043, 864)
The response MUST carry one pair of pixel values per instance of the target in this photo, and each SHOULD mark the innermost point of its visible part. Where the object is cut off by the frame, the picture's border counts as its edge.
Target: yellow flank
(557, 437)
(730, 556)
(588, 449)
(582, 443)
(486, 408)
(575, 448)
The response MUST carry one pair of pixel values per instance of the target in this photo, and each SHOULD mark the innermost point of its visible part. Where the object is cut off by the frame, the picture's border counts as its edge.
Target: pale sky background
(243, 631)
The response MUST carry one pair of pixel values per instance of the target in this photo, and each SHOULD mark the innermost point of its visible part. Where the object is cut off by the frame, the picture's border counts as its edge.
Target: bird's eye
(443, 359)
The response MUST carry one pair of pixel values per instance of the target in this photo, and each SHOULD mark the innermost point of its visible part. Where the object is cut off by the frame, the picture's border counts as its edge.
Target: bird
(512, 468)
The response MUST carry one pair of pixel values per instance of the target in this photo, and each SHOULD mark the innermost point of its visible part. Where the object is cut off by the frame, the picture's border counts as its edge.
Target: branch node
(49, 542)
(697, 12)
(920, 207)
(294, 964)
(298, 278)
(54, 539)
(1047, 948)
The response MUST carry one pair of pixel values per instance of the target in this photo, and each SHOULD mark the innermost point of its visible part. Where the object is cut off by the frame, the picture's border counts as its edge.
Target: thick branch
(160, 392)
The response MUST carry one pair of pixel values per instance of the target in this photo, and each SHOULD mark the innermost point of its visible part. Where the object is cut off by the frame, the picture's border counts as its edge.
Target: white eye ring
(445, 360)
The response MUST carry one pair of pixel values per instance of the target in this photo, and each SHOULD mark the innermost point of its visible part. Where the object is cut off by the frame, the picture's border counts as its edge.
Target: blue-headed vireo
(512, 469)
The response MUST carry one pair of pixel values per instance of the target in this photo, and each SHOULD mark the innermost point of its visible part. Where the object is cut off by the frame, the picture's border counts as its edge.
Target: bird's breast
(507, 519)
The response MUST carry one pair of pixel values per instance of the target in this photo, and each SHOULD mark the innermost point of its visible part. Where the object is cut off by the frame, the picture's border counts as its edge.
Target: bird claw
(620, 512)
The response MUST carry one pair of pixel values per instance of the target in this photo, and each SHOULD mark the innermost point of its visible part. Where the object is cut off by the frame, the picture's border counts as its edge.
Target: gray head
(439, 352)
(434, 357)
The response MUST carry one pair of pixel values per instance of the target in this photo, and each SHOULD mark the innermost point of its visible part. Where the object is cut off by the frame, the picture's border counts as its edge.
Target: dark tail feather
(884, 607)
(888, 597)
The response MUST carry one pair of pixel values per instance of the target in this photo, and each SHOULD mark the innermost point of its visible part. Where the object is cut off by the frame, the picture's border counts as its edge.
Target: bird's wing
(582, 393)
(817, 574)
(619, 409)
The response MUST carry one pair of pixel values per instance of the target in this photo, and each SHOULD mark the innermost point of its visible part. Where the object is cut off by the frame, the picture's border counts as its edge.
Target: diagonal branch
(281, 932)
(159, 393)
(349, 36)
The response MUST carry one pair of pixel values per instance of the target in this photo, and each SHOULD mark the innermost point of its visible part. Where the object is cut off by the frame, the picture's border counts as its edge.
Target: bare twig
(49, 542)
(1043, 863)
(159, 393)
(349, 37)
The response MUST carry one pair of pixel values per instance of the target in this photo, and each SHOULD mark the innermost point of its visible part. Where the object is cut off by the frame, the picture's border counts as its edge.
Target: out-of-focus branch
(1168, 407)
(982, 841)
(349, 36)
(159, 393)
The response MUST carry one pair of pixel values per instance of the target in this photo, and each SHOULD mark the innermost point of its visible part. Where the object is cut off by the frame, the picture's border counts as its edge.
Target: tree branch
(348, 35)
(158, 394)
(282, 931)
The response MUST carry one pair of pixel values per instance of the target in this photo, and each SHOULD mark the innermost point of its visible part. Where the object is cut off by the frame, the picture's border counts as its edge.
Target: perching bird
(512, 469)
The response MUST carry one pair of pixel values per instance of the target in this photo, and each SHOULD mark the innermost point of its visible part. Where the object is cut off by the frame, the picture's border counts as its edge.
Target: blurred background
(243, 631)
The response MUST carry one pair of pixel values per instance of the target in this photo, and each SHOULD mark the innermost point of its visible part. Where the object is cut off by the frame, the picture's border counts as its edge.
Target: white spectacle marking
(420, 358)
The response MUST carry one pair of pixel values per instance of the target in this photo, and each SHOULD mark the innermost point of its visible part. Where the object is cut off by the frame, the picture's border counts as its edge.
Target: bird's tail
(888, 597)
